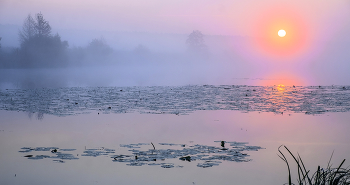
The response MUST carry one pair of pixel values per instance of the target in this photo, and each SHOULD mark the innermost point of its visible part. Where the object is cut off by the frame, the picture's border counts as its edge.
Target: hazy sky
(228, 17)
(315, 49)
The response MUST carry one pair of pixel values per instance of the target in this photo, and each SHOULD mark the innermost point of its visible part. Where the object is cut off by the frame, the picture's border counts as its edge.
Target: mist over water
(150, 48)
(126, 59)
(156, 64)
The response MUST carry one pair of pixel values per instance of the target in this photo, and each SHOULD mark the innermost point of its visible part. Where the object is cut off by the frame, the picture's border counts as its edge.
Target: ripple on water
(177, 100)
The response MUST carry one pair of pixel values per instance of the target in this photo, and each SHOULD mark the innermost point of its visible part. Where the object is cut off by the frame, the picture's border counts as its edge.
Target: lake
(169, 135)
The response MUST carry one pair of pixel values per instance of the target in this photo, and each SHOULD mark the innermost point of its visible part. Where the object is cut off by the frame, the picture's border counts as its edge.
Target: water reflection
(280, 88)
(177, 100)
(307, 135)
(38, 115)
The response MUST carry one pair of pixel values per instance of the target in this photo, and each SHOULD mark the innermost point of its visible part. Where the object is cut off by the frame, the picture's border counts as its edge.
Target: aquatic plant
(186, 158)
(154, 148)
(209, 155)
(223, 144)
(327, 176)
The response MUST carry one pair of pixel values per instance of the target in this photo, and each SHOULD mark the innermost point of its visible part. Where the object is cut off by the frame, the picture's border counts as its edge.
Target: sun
(282, 33)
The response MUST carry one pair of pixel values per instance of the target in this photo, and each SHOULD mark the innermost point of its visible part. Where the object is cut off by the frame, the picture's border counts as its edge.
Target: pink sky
(313, 52)
(181, 16)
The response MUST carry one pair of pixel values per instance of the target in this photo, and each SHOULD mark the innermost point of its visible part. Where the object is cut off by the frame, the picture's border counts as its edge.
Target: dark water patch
(51, 152)
(172, 144)
(98, 152)
(29, 149)
(64, 156)
(167, 165)
(208, 164)
(37, 157)
(67, 149)
(59, 161)
(177, 100)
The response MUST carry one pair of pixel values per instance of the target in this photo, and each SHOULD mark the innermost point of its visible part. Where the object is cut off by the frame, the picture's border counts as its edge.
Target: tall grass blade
(328, 176)
(306, 175)
(317, 180)
(330, 160)
(285, 160)
(299, 166)
(334, 181)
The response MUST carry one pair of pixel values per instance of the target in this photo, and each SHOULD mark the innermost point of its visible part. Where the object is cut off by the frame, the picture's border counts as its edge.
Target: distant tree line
(96, 50)
(39, 48)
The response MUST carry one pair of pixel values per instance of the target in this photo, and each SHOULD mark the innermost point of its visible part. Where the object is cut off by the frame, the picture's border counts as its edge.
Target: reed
(327, 176)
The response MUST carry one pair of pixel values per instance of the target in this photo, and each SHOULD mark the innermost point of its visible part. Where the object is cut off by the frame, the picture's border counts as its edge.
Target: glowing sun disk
(281, 33)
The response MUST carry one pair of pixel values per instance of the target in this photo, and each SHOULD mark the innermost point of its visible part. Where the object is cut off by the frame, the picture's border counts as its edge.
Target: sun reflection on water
(280, 87)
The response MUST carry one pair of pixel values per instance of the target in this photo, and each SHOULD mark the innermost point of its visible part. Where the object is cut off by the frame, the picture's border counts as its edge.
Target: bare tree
(28, 29)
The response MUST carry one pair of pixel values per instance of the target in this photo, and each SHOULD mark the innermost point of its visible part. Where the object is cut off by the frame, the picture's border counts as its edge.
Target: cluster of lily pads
(207, 156)
(56, 153)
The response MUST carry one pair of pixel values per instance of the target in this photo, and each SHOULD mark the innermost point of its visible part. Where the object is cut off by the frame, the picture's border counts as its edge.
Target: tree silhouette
(42, 27)
(28, 29)
(99, 47)
(98, 50)
(195, 42)
(39, 48)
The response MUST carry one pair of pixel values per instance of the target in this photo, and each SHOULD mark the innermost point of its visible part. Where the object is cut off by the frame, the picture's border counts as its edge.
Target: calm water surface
(51, 118)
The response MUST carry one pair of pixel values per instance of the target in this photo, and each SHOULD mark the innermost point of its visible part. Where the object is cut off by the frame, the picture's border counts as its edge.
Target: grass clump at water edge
(327, 176)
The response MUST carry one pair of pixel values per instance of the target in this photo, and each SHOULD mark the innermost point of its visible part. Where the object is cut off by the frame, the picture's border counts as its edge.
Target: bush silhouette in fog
(39, 48)
(195, 43)
(98, 49)
(8, 57)
(96, 52)
(142, 54)
(141, 50)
